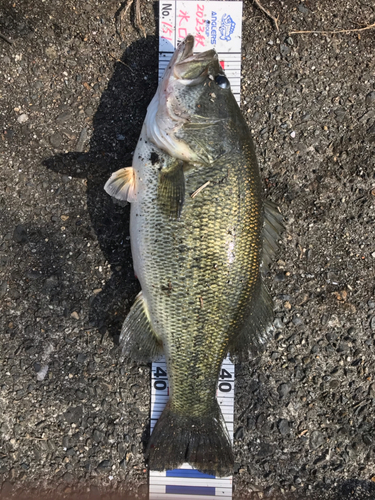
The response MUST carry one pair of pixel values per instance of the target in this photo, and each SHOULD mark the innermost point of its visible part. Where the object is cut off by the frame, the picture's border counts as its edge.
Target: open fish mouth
(192, 68)
(171, 109)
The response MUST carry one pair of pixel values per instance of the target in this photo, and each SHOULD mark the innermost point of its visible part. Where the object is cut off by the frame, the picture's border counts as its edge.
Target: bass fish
(200, 238)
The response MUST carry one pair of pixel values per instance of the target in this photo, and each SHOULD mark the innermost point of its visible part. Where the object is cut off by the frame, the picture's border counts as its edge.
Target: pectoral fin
(138, 340)
(171, 190)
(122, 184)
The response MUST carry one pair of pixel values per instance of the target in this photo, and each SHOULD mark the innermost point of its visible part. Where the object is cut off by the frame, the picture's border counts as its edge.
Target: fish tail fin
(201, 441)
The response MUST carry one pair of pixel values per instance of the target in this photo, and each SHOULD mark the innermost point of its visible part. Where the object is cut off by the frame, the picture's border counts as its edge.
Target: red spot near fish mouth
(222, 64)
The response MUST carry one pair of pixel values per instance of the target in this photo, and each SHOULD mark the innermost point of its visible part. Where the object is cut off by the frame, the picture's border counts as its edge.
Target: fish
(201, 239)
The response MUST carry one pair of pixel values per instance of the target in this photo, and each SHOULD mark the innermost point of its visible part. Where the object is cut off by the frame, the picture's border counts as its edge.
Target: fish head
(192, 106)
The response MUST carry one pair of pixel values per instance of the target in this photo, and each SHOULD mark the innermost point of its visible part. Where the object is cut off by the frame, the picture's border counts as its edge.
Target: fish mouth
(191, 69)
(168, 112)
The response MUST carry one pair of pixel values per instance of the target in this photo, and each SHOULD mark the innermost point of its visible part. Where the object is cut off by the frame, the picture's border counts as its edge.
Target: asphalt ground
(75, 81)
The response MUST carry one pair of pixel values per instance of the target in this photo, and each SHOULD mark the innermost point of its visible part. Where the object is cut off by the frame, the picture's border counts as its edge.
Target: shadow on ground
(117, 125)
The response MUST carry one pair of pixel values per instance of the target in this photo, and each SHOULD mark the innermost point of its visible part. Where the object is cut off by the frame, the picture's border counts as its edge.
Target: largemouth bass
(199, 236)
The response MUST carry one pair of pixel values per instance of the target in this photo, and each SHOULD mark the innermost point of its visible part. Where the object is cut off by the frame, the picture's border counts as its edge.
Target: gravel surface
(74, 89)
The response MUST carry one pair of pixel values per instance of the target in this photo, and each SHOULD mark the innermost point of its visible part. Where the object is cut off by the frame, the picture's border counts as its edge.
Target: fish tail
(201, 441)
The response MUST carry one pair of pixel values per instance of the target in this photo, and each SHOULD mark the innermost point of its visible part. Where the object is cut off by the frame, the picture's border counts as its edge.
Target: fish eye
(222, 81)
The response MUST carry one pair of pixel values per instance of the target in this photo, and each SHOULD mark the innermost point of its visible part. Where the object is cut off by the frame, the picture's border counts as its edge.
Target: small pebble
(89, 111)
(283, 390)
(303, 9)
(64, 116)
(74, 315)
(343, 347)
(37, 366)
(80, 395)
(51, 52)
(56, 140)
(104, 464)
(279, 277)
(20, 234)
(3, 288)
(23, 118)
(364, 118)
(334, 384)
(340, 114)
(98, 436)
(297, 321)
(239, 433)
(82, 140)
(316, 439)
(41, 375)
(81, 357)
(283, 427)
(278, 323)
(370, 98)
(68, 477)
(236, 467)
(284, 49)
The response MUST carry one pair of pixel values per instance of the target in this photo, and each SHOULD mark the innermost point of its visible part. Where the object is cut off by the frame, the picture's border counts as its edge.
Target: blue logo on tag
(227, 27)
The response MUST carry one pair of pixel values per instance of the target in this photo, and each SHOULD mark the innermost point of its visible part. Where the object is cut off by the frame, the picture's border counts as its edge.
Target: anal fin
(121, 184)
(138, 340)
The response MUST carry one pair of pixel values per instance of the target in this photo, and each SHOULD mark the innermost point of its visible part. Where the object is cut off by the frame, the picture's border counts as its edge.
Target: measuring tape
(215, 24)
(186, 481)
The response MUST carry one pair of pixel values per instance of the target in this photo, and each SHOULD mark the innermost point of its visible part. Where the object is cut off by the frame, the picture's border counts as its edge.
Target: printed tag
(215, 24)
